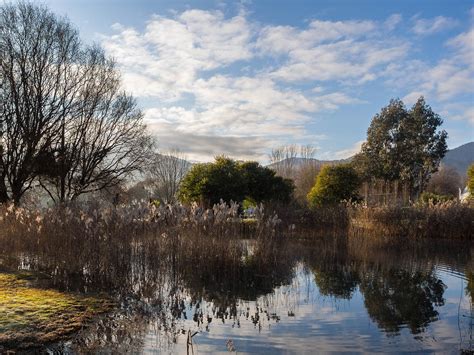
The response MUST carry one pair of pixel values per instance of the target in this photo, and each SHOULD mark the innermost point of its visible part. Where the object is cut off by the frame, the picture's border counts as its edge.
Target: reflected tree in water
(339, 281)
(470, 285)
(397, 297)
(334, 272)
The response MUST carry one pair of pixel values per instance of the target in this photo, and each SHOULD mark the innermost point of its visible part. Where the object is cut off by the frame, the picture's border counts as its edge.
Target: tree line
(403, 145)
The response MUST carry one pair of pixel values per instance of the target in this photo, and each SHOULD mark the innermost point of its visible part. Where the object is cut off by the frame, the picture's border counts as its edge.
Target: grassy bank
(32, 316)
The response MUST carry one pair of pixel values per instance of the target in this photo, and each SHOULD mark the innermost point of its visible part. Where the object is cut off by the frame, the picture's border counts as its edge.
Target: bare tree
(63, 119)
(306, 173)
(297, 163)
(166, 173)
(307, 153)
(103, 141)
(446, 181)
(283, 159)
(37, 84)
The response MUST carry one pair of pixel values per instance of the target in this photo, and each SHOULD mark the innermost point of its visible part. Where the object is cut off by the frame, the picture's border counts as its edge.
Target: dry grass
(129, 251)
(449, 220)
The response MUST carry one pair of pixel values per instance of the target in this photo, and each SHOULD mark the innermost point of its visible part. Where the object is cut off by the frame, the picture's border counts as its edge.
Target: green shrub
(429, 197)
(248, 203)
(470, 180)
(229, 180)
(333, 185)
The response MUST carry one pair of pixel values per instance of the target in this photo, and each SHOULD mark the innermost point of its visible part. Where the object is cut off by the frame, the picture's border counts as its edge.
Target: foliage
(248, 203)
(432, 198)
(335, 281)
(403, 145)
(228, 180)
(305, 178)
(470, 180)
(209, 183)
(333, 185)
(401, 297)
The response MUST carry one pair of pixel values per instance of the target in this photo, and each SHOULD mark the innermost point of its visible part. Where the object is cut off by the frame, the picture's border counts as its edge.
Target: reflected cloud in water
(335, 294)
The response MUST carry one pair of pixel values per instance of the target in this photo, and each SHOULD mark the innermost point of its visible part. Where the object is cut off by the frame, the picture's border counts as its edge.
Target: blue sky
(240, 78)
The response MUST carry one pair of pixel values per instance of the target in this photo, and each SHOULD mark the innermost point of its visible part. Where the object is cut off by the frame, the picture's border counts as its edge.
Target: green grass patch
(32, 316)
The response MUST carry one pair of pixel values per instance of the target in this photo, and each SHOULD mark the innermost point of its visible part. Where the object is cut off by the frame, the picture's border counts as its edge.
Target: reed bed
(79, 227)
(448, 220)
(298, 221)
(139, 253)
(126, 250)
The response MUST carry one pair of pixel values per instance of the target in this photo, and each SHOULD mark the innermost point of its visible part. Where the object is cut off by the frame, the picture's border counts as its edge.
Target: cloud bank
(215, 84)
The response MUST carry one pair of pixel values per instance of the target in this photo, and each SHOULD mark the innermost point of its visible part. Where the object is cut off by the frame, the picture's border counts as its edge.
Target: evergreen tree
(403, 145)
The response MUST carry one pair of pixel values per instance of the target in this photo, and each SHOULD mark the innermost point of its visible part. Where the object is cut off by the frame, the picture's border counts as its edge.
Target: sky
(240, 78)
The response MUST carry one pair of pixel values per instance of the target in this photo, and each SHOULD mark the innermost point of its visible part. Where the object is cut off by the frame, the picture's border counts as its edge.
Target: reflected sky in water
(342, 296)
(296, 318)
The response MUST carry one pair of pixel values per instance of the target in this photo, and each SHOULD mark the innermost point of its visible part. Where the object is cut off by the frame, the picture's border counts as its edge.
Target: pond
(342, 295)
(311, 295)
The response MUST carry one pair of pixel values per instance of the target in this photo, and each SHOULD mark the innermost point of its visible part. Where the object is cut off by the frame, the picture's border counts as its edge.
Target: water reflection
(398, 298)
(273, 295)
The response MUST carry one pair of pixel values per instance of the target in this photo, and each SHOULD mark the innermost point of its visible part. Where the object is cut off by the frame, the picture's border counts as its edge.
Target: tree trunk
(17, 194)
(3, 191)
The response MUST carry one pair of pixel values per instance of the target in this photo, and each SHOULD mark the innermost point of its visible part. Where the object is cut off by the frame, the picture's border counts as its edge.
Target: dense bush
(333, 185)
(229, 180)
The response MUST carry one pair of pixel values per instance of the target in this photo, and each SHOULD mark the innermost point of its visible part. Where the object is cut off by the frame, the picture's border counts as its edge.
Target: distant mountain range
(298, 162)
(459, 158)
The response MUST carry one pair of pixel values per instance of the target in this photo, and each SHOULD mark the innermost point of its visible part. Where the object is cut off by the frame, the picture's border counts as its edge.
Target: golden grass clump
(32, 316)
(448, 220)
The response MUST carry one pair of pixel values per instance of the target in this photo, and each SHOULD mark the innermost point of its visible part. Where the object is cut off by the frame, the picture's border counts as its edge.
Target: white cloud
(217, 84)
(166, 58)
(187, 54)
(247, 110)
(425, 27)
(412, 97)
(169, 127)
(345, 153)
(446, 80)
(356, 62)
(284, 39)
(467, 114)
(459, 112)
(392, 22)
(350, 50)
(464, 45)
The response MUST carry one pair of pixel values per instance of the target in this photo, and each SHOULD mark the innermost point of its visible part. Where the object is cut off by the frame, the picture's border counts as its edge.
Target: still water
(328, 295)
